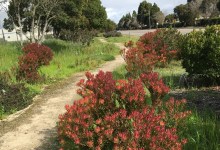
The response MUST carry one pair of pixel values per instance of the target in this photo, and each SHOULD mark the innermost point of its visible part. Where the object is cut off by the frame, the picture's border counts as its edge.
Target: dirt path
(35, 128)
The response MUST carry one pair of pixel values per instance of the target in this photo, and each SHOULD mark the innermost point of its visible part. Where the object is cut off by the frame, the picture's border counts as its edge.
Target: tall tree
(33, 16)
(80, 14)
(159, 17)
(121, 22)
(218, 5)
(155, 14)
(155, 9)
(144, 13)
(134, 23)
(194, 7)
(209, 8)
(129, 21)
(96, 14)
(110, 25)
(184, 14)
(134, 14)
(170, 18)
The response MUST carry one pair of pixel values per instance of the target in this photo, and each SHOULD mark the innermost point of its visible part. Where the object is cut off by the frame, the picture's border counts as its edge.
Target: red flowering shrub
(35, 56)
(172, 108)
(156, 86)
(148, 52)
(161, 42)
(115, 115)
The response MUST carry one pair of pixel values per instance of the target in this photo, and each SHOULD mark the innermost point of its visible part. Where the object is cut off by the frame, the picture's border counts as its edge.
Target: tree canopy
(196, 9)
(218, 5)
(147, 12)
(184, 14)
(80, 14)
(129, 21)
(34, 16)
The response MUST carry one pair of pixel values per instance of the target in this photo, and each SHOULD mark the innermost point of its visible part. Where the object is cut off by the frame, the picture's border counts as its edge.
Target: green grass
(203, 131)
(171, 74)
(122, 39)
(69, 58)
(9, 53)
(203, 126)
(73, 57)
(120, 73)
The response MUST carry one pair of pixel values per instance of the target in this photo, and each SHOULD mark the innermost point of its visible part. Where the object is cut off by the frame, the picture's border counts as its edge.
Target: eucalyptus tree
(33, 16)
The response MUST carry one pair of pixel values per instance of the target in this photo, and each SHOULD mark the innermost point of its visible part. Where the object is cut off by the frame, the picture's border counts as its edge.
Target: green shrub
(82, 36)
(170, 37)
(201, 52)
(206, 22)
(13, 97)
(112, 34)
(49, 36)
(107, 57)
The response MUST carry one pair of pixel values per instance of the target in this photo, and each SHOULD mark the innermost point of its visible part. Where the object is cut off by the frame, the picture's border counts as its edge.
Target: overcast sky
(117, 8)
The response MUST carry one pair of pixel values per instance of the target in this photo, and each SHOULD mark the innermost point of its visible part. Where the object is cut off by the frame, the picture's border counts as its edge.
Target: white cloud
(114, 13)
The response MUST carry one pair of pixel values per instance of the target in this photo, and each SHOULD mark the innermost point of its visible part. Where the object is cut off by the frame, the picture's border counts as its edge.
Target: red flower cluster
(156, 86)
(35, 55)
(151, 132)
(173, 111)
(159, 44)
(114, 115)
(131, 94)
(149, 51)
(129, 44)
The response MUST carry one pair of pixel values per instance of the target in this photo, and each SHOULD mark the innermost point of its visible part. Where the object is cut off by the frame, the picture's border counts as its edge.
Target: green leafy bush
(13, 97)
(201, 54)
(208, 22)
(171, 38)
(82, 36)
(112, 34)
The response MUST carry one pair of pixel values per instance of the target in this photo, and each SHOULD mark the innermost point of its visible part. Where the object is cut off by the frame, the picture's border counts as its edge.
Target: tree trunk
(3, 35)
(20, 28)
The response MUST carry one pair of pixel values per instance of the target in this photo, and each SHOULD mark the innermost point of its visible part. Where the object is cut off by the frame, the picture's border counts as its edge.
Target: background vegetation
(193, 13)
(68, 58)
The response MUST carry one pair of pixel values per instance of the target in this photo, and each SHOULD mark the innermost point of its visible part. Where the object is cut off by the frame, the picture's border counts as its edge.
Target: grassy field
(123, 39)
(69, 58)
(203, 126)
(9, 53)
(72, 57)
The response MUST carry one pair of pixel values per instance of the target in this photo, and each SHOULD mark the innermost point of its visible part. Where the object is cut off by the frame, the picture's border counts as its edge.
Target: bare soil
(201, 99)
(35, 127)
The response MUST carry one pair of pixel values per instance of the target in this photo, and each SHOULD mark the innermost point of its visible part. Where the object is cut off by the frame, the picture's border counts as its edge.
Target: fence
(9, 36)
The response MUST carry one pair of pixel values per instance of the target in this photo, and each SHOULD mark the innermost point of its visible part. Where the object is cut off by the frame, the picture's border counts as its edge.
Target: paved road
(142, 32)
